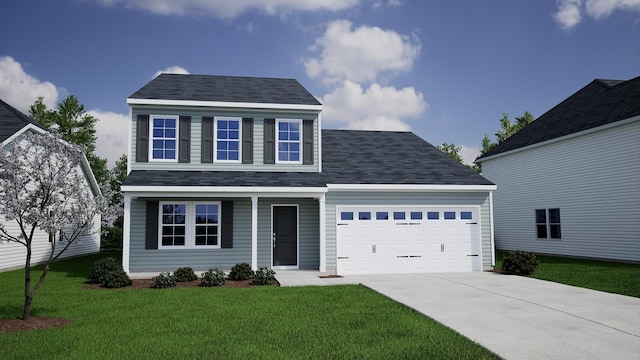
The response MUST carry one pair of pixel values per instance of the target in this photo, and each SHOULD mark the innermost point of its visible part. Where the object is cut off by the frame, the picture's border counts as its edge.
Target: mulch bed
(35, 323)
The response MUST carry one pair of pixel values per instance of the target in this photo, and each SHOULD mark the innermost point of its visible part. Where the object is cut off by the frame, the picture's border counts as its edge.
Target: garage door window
(416, 215)
(449, 215)
(465, 215)
(399, 215)
(382, 215)
(364, 215)
(433, 215)
(346, 215)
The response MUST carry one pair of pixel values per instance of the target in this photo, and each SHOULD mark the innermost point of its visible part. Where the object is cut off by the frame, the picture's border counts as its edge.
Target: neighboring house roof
(225, 89)
(349, 157)
(599, 103)
(12, 121)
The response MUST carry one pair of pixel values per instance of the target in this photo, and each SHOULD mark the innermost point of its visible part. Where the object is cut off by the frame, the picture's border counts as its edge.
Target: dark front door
(285, 236)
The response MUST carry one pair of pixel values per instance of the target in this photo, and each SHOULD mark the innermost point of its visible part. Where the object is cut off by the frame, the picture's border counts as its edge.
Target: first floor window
(164, 130)
(548, 223)
(190, 224)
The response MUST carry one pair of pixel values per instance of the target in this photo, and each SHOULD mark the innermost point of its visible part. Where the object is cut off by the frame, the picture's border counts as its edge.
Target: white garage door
(397, 239)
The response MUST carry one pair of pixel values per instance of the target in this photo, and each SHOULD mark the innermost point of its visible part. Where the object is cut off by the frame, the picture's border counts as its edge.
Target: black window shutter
(227, 225)
(269, 141)
(151, 237)
(206, 151)
(184, 140)
(307, 140)
(142, 138)
(247, 140)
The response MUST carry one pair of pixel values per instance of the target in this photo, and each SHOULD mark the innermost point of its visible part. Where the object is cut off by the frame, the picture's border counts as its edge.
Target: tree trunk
(26, 312)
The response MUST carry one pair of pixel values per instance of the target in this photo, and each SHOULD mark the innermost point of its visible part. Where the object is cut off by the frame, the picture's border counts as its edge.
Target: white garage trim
(407, 239)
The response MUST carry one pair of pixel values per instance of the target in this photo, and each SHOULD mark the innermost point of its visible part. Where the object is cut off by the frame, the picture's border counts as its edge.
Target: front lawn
(333, 322)
(609, 276)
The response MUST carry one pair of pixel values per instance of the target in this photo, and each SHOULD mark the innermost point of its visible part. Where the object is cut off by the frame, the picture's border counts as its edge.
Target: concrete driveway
(521, 318)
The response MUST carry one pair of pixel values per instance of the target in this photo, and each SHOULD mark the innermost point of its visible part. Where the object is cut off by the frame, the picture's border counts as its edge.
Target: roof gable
(233, 89)
(12, 121)
(599, 103)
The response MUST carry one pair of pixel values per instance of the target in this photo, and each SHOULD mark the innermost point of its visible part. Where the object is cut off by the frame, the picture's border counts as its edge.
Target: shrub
(213, 277)
(241, 271)
(101, 268)
(519, 262)
(111, 239)
(163, 281)
(116, 279)
(264, 276)
(185, 274)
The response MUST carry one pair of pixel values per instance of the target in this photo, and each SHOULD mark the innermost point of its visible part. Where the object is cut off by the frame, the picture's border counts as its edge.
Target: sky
(446, 70)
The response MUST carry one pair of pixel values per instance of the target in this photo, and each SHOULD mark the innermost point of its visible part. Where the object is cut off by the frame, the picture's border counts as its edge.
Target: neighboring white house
(13, 124)
(569, 183)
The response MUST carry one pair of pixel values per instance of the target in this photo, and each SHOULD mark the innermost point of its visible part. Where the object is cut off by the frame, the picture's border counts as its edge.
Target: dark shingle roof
(385, 157)
(349, 157)
(226, 89)
(600, 103)
(12, 120)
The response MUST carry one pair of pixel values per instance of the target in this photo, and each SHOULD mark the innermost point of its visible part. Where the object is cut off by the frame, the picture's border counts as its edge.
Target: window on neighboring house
(288, 139)
(227, 142)
(548, 223)
(190, 225)
(164, 132)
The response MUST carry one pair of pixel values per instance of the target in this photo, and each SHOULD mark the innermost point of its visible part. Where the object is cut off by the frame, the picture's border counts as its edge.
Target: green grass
(334, 322)
(609, 276)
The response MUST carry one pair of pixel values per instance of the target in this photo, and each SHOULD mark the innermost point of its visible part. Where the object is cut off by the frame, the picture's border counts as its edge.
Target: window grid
(164, 138)
(228, 140)
(548, 223)
(190, 224)
(173, 224)
(289, 140)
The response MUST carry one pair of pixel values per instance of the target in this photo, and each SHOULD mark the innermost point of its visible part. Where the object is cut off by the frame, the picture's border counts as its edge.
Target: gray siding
(480, 199)
(142, 260)
(308, 231)
(196, 131)
(595, 181)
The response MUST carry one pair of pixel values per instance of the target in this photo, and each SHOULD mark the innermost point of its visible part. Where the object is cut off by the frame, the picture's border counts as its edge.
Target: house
(226, 169)
(569, 182)
(13, 125)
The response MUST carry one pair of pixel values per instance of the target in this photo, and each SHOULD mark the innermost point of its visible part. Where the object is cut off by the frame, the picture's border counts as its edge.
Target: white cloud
(171, 70)
(469, 154)
(570, 12)
(376, 108)
(230, 8)
(360, 55)
(602, 8)
(112, 131)
(21, 90)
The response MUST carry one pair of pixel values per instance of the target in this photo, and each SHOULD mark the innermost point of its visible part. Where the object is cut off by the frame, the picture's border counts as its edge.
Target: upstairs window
(548, 223)
(288, 139)
(227, 140)
(164, 133)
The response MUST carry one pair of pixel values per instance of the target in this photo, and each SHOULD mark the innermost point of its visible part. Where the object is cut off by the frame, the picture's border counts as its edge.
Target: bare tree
(42, 188)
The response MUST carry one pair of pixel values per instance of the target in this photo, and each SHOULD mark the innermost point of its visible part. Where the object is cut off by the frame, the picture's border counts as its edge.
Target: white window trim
(215, 139)
(190, 225)
(548, 225)
(300, 141)
(151, 137)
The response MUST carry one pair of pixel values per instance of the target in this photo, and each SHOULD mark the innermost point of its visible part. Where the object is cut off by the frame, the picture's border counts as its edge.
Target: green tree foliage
(71, 122)
(451, 150)
(112, 233)
(507, 129)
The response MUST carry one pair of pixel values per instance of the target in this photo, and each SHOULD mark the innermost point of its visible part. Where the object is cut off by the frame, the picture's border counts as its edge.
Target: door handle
(373, 249)
(273, 239)
(473, 255)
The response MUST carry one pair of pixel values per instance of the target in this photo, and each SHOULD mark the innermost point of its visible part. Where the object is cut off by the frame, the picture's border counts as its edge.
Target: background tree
(43, 188)
(112, 239)
(73, 124)
(451, 150)
(507, 129)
